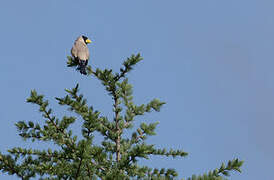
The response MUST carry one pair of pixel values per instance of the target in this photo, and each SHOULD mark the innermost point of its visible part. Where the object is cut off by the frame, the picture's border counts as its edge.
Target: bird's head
(86, 40)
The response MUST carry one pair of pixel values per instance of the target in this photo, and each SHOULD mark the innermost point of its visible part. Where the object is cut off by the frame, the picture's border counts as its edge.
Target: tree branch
(78, 170)
(118, 130)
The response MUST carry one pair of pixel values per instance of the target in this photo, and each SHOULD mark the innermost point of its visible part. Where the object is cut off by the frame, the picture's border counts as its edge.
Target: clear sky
(210, 60)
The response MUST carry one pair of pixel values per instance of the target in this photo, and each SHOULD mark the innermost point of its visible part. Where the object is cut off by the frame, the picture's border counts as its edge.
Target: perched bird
(80, 53)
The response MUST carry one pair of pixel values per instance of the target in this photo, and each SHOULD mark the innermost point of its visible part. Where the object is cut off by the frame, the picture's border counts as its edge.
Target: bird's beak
(88, 41)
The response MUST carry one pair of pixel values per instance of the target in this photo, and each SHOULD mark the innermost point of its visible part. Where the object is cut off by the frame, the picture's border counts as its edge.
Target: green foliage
(233, 165)
(116, 157)
(71, 62)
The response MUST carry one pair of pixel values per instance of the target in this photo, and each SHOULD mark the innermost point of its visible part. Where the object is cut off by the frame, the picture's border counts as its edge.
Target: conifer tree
(116, 157)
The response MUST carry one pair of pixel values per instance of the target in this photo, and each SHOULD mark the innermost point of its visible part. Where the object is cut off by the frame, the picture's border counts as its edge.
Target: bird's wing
(74, 51)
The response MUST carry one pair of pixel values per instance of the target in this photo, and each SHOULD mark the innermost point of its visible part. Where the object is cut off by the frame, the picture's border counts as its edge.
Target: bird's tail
(82, 67)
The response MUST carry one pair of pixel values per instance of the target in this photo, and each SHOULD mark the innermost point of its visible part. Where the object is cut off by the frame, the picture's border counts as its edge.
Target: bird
(80, 53)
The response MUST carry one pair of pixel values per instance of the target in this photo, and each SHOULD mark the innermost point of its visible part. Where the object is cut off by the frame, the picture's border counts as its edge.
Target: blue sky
(210, 60)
